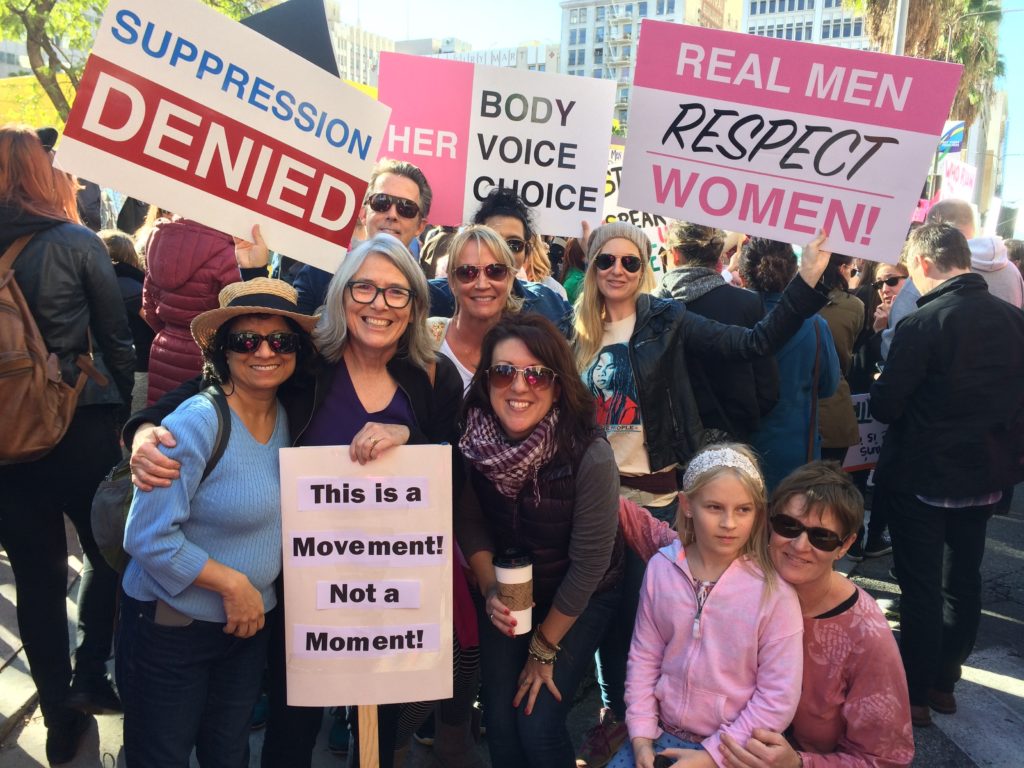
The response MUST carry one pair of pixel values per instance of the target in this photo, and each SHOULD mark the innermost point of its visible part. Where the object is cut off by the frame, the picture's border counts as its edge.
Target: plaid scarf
(509, 466)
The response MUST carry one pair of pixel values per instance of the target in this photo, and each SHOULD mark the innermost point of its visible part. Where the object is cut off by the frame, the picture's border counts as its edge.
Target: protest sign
(472, 128)
(780, 139)
(654, 225)
(958, 180)
(864, 455)
(367, 575)
(189, 110)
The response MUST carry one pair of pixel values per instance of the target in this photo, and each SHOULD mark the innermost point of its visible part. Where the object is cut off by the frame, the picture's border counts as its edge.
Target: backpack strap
(215, 395)
(13, 251)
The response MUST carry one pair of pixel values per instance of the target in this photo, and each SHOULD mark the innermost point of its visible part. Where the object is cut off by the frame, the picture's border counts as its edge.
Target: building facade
(814, 21)
(599, 37)
(534, 57)
(356, 50)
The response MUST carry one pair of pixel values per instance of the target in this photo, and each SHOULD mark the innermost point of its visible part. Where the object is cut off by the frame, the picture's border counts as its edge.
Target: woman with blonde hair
(657, 338)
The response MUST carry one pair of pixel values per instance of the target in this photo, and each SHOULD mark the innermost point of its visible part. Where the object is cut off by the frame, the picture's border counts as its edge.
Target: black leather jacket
(666, 335)
(69, 283)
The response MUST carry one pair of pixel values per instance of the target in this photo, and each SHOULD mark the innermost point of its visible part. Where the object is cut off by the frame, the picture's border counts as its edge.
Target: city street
(988, 730)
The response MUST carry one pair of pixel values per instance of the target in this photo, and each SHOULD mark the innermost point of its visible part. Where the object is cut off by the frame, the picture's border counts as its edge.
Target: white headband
(720, 457)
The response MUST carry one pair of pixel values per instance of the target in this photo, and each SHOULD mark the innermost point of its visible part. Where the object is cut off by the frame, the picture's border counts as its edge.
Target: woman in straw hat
(206, 550)
(377, 384)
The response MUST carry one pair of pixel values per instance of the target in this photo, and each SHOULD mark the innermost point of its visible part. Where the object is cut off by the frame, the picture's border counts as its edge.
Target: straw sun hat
(262, 296)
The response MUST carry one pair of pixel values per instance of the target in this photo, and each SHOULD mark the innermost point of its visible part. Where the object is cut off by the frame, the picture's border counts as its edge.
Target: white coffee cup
(513, 569)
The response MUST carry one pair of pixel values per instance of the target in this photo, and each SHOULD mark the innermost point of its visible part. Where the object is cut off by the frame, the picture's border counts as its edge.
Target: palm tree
(966, 30)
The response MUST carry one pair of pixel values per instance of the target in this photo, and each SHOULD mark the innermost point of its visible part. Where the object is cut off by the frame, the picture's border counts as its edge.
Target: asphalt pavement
(987, 731)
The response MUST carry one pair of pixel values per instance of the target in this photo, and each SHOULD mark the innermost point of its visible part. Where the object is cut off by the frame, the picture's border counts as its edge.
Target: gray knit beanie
(622, 229)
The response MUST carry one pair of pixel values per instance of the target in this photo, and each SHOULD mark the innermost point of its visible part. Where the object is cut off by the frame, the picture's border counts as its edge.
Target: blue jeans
(540, 739)
(624, 757)
(614, 648)
(183, 687)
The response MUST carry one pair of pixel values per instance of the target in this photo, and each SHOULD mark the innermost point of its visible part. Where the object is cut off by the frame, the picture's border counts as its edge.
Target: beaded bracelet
(540, 651)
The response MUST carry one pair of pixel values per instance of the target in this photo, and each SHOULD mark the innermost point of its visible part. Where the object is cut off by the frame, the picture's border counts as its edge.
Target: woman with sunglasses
(657, 336)
(541, 479)
(854, 708)
(206, 551)
(480, 276)
(889, 281)
(377, 384)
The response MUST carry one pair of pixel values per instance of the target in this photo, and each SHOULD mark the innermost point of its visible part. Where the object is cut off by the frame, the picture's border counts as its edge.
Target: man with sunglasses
(397, 202)
(950, 393)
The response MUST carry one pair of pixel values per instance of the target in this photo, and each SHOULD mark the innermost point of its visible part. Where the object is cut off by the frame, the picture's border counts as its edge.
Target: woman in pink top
(854, 711)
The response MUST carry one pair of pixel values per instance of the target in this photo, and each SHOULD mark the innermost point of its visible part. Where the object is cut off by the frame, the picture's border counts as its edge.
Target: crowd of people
(668, 455)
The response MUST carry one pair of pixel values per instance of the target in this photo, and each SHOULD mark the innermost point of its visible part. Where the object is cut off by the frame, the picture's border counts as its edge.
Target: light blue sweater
(233, 517)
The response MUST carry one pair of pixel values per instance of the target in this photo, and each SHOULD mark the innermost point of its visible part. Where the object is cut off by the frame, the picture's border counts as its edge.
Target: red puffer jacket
(187, 264)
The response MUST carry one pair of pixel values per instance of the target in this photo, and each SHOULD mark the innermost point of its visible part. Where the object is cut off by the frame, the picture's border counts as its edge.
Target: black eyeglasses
(892, 282)
(280, 342)
(516, 244)
(537, 377)
(820, 538)
(367, 293)
(381, 203)
(605, 261)
(468, 273)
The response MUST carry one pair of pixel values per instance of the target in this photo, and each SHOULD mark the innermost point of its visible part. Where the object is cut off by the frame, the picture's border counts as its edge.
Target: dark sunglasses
(468, 273)
(820, 538)
(516, 244)
(381, 203)
(537, 377)
(280, 342)
(605, 261)
(854, 272)
(892, 282)
(367, 293)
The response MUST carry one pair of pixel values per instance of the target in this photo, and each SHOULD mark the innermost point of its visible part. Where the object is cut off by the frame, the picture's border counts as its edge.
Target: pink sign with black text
(779, 139)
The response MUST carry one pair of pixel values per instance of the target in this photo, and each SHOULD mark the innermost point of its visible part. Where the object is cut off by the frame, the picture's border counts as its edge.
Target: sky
(484, 23)
(1011, 32)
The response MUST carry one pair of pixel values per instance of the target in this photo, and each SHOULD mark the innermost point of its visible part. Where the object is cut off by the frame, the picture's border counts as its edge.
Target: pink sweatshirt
(734, 667)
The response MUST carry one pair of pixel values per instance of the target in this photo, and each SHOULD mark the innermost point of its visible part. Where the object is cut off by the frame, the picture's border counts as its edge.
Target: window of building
(753, 7)
(629, 9)
(572, 58)
(599, 35)
(801, 4)
(625, 74)
(572, 37)
(541, 67)
(789, 31)
(799, 32)
(751, 31)
(660, 8)
(792, 5)
(836, 28)
(627, 51)
(641, 9)
(808, 29)
(599, 14)
(771, 6)
(574, 17)
(858, 28)
(581, 57)
(583, 36)
(627, 30)
(764, 6)
(847, 28)
(597, 73)
(599, 56)
(583, 15)
(670, 6)
(810, 5)
(825, 30)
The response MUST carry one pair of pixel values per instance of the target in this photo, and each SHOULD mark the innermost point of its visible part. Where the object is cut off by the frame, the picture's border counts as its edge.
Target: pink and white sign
(184, 108)
(957, 180)
(780, 139)
(472, 128)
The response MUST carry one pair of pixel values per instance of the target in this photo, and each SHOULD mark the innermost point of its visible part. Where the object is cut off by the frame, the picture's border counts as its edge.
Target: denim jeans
(937, 553)
(614, 649)
(540, 739)
(624, 757)
(185, 686)
(36, 496)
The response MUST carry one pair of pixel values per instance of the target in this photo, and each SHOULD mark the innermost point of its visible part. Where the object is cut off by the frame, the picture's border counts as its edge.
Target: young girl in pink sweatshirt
(717, 643)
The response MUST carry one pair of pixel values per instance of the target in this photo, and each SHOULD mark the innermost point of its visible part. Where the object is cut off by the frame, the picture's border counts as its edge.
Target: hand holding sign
(373, 439)
(252, 253)
(814, 259)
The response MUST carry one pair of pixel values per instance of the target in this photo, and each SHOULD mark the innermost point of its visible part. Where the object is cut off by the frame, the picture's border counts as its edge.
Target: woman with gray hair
(378, 384)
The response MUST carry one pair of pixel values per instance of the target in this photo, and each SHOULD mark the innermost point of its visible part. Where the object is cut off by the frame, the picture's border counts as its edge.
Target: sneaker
(878, 546)
(94, 696)
(63, 741)
(425, 733)
(942, 702)
(338, 738)
(602, 741)
(258, 719)
(855, 552)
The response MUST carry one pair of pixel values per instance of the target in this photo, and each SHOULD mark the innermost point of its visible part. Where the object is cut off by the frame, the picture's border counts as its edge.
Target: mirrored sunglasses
(820, 538)
(280, 342)
(381, 203)
(468, 273)
(537, 377)
(605, 261)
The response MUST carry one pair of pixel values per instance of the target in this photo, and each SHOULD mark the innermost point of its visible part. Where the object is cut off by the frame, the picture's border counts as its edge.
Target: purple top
(341, 415)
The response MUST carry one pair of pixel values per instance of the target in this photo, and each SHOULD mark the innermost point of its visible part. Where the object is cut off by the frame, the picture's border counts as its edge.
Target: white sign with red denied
(780, 139)
(184, 108)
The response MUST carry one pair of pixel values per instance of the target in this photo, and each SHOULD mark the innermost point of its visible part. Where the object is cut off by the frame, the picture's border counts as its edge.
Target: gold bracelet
(539, 633)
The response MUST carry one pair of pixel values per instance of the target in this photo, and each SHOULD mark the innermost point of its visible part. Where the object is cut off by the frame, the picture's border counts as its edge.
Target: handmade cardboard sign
(367, 575)
(864, 455)
(654, 225)
(472, 128)
(780, 139)
(184, 108)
